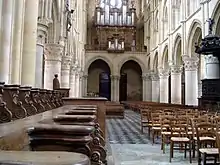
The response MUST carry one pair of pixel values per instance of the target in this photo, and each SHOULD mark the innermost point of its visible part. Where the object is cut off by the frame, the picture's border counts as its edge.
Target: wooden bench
(114, 109)
(97, 101)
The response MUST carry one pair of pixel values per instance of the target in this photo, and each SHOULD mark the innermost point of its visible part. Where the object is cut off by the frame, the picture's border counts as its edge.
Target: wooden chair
(179, 135)
(205, 133)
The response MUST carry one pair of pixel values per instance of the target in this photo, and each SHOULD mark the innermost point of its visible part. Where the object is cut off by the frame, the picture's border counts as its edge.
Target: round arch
(177, 53)
(155, 62)
(138, 61)
(193, 36)
(216, 17)
(99, 81)
(164, 60)
(89, 62)
(130, 88)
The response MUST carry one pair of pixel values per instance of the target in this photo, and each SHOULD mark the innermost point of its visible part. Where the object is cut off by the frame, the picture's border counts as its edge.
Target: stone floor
(128, 146)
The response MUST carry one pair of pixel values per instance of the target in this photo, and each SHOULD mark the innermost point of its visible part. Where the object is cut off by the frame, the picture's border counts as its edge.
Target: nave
(128, 146)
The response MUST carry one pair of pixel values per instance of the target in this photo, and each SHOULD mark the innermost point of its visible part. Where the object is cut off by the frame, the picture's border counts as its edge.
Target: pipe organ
(114, 26)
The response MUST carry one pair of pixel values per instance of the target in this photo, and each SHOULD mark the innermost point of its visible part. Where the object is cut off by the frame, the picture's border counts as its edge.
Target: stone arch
(124, 60)
(131, 85)
(99, 81)
(155, 62)
(216, 17)
(193, 36)
(164, 60)
(177, 53)
(89, 62)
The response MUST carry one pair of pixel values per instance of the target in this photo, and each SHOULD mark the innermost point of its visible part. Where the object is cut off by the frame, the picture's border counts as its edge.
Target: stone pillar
(6, 39)
(148, 87)
(176, 84)
(80, 84)
(17, 40)
(116, 88)
(191, 80)
(65, 71)
(53, 55)
(144, 84)
(77, 85)
(72, 81)
(41, 39)
(112, 88)
(155, 87)
(85, 81)
(164, 85)
(212, 67)
(29, 43)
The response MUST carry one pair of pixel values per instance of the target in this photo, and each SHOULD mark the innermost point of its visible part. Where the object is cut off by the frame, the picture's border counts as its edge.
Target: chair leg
(193, 148)
(190, 152)
(171, 150)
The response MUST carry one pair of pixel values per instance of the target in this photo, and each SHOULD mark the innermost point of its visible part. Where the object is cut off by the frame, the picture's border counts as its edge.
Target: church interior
(110, 82)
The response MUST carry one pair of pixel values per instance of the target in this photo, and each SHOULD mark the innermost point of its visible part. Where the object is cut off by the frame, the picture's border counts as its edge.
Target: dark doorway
(130, 88)
(123, 87)
(104, 85)
(99, 83)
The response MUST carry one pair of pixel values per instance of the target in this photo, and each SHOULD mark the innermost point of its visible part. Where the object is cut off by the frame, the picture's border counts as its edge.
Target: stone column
(155, 87)
(65, 71)
(53, 55)
(17, 40)
(85, 81)
(144, 84)
(72, 81)
(6, 39)
(164, 85)
(176, 84)
(80, 84)
(116, 87)
(191, 80)
(29, 43)
(148, 87)
(77, 85)
(112, 88)
(212, 67)
(41, 39)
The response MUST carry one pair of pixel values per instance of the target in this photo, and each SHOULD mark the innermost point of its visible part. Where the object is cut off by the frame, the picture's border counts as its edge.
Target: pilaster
(176, 84)
(191, 79)
(53, 56)
(65, 71)
(155, 87)
(42, 30)
(164, 85)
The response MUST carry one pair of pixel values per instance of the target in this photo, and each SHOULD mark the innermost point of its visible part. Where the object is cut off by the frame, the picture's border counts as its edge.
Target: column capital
(42, 29)
(66, 62)
(190, 63)
(154, 76)
(163, 73)
(210, 59)
(115, 77)
(53, 52)
(176, 69)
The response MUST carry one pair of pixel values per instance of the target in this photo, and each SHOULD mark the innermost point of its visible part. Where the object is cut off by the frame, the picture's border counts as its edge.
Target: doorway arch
(130, 88)
(99, 82)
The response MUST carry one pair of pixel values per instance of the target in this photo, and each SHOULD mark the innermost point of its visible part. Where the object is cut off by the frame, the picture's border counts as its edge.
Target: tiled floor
(128, 146)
